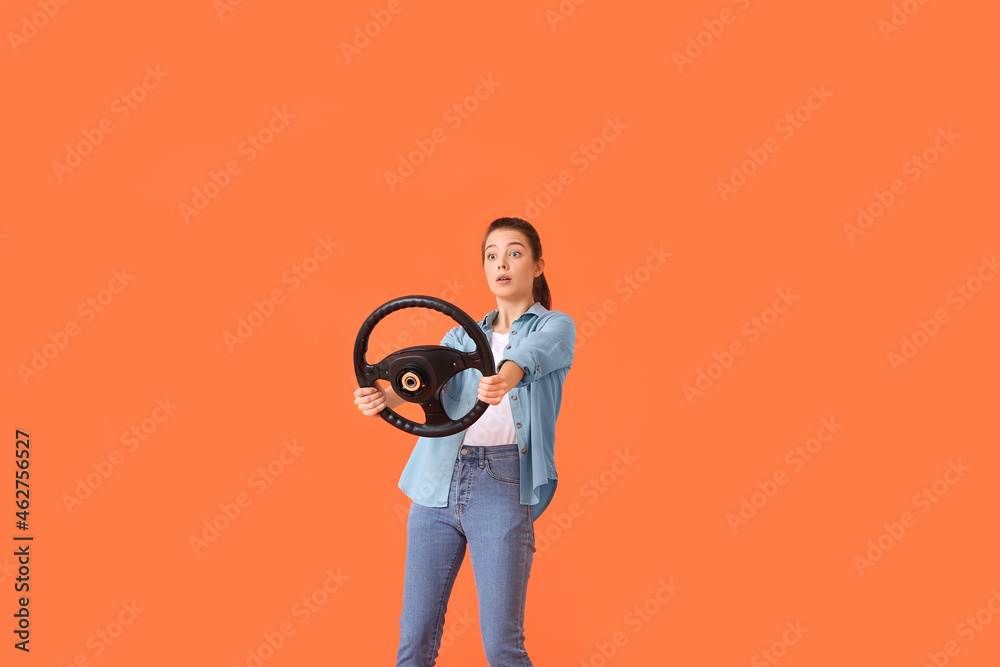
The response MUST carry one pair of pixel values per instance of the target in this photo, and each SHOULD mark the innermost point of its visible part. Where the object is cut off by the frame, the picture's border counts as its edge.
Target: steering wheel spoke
(372, 373)
(434, 413)
(474, 359)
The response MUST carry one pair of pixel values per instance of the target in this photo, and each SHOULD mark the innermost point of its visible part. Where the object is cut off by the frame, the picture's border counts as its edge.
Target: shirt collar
(487, 322)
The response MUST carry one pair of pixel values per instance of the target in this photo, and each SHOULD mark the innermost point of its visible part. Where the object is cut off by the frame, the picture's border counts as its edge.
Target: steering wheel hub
(411, 382)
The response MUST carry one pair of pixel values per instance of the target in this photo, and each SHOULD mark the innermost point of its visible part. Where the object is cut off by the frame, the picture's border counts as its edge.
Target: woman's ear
(539, 267)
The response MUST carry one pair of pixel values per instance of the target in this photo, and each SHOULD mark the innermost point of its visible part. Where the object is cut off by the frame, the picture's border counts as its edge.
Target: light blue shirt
(541, 342)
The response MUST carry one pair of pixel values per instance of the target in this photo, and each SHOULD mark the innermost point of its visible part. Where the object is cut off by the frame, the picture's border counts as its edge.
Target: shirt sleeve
(451, 338)
(546, 349)
(452, 385)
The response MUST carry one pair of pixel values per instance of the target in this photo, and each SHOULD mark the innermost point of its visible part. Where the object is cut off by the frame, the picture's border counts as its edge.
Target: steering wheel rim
(418, 373)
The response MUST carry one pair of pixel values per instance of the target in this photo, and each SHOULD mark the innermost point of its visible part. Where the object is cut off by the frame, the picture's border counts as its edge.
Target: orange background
(336, 506)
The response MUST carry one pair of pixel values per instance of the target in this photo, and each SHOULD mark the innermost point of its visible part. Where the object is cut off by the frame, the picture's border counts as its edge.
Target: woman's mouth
(503, 279)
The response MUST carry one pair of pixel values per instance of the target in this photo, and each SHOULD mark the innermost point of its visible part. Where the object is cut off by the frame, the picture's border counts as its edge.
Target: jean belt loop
(482, 457)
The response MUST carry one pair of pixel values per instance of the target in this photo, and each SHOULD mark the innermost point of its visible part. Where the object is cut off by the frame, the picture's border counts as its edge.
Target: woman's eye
(516, 252)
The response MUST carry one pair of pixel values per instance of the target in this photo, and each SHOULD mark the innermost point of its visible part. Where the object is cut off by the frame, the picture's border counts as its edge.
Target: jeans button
(465, 451)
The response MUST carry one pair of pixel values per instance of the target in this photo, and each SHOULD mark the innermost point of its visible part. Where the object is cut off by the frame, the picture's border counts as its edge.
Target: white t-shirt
(496, 425)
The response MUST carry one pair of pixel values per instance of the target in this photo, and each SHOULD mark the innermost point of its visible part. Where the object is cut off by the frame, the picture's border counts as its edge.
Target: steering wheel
(417, 374)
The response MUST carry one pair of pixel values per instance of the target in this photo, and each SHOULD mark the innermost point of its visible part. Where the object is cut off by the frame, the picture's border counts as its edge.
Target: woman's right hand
(369, 400)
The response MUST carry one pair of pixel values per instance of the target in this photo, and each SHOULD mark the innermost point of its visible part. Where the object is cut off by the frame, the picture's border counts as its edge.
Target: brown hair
(540, 287)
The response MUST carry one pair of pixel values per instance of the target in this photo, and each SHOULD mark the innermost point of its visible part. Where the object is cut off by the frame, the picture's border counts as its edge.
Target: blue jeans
(484, 511)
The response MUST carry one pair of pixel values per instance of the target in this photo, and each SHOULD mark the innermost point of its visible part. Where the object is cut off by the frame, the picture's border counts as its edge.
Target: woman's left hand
(492, 388)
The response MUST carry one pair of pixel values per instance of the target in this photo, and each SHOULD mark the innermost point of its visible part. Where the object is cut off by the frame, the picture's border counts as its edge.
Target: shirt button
(538, 367)
(513, 398)
(524, 451)
(519, 424)
(508, 347)
(514, 332)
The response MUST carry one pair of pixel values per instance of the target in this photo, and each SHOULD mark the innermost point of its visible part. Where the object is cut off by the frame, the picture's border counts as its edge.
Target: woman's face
(509, 255)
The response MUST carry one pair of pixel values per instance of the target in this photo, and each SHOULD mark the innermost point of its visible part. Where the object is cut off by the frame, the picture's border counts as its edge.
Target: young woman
(485, 486)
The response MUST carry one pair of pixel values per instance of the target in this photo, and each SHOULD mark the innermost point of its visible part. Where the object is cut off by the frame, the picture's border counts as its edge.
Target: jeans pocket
(506, 469)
